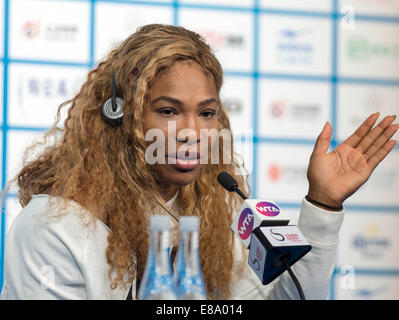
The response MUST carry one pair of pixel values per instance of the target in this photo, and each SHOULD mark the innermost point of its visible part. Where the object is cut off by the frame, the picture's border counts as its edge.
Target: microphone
(273, 244)
(229, 183)
(253, 213)
(274, 249)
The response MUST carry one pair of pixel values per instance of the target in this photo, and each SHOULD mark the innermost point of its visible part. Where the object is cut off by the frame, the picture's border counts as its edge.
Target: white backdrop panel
(282, 172)
(289, 67)
(114, 22)
(290, 44)
(49, 30)
(236, 96)
(35, 92)
(367, 287)
(292, 108)
(356, 102)
(382, 187)
(370, 49)
(370, 240)
(230, 37)
(17, 142)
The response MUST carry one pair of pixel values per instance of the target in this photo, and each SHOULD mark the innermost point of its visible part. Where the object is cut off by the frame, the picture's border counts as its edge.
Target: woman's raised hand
(335, 176)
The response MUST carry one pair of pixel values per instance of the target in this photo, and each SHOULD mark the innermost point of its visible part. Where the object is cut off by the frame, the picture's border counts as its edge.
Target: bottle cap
(159, 222)
(189, 223)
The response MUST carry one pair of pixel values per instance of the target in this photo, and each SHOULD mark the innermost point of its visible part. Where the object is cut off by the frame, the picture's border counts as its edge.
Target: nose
(189, 130)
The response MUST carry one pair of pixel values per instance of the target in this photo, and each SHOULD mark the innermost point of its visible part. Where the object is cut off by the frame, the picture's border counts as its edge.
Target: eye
(208, 113)
(167, 112)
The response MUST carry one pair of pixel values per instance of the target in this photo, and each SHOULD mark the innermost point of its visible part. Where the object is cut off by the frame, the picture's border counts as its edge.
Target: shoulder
(50, 223)
(49, 232)
(47, 212)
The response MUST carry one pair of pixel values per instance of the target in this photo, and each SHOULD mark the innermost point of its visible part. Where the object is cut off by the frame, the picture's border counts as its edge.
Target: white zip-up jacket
(65, 257)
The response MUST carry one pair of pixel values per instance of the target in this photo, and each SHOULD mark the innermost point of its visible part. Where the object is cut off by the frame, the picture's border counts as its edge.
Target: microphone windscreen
(227, 181)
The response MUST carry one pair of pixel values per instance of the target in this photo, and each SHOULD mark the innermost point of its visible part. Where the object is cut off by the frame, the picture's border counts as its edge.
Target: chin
(179, 178)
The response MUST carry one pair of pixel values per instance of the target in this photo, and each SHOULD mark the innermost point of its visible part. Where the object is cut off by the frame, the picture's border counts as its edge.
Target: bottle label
(164, 240)
(194, 241)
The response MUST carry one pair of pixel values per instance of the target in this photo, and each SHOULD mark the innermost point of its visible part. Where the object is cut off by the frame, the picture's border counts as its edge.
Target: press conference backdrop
(289, 67)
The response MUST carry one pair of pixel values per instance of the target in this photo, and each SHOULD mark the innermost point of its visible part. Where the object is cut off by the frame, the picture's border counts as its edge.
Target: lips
(184, 161)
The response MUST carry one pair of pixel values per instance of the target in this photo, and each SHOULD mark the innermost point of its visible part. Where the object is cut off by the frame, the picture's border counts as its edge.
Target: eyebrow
(178, 102)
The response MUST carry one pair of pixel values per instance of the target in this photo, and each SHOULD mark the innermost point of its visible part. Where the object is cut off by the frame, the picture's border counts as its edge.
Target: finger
(365, 127)
(323, 140)
(369, 139)
(381, 140)
(377, 157)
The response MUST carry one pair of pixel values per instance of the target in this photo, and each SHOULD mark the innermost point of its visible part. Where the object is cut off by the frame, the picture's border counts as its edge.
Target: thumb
(323, 140)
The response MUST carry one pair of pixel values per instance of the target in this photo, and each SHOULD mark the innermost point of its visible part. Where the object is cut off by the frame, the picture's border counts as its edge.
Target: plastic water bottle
(188, 278)
(157, 282)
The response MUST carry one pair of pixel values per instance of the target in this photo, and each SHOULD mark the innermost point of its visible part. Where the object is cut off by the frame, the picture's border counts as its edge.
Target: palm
(343, 169)
(335, 176)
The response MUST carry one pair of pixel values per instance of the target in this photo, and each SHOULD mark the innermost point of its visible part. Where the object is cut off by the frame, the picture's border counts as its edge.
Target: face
(183, 101)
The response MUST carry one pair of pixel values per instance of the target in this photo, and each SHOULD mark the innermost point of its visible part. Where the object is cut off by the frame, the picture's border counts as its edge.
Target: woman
(83, 232)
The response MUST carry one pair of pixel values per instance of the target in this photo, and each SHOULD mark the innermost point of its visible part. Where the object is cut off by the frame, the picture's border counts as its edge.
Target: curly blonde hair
(90, 152)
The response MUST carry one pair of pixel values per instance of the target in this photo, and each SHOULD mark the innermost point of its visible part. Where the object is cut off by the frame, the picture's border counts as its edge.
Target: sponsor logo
(295, 111)
(276, 235)
(223, 40)
(232, 105)
(294, 48)
(305, 111)
(362, 50)
(245, 224)
(267, 209)
(278, 173)
(371, 243)
(61, 32)
(46, 87)
(278, 109)
(293, 237)
(31, 29)
(50, 32)
(274, 172)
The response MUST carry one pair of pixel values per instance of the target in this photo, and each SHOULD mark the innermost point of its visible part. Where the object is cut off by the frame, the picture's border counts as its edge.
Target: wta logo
(267, 209)
(245, 224)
